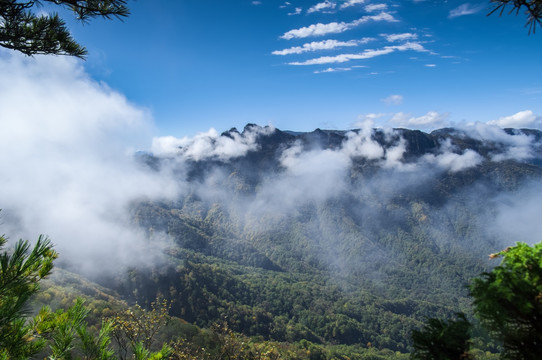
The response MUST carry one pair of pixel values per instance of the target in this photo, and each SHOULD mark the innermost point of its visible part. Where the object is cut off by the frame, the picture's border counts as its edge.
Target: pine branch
(24, 31)
(533, 11)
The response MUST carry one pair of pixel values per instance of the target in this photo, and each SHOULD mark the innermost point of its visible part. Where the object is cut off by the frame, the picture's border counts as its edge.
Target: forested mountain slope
(332, 236)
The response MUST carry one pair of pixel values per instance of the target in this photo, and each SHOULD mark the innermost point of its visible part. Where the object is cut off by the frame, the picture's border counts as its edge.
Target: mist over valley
(373, 225)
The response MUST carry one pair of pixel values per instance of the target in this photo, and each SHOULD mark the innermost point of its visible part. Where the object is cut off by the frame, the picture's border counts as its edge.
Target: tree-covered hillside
(331, 236)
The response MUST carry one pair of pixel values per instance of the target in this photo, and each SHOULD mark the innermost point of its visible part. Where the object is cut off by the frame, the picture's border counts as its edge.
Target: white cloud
(400, 37)
(465, 9)
(383, 16)
(317, 30)
(522, 119)
(330, 70)
(393, 100)
(350, 3)
(340, 58)
(256, 2)
(67, 146)
(430, 120)
(297, 11)
(320, 45)
(308, 176)
(314, 46)
(450, 159)
(334, 27)
(455, 162)
(518, 145)
(415, 46)
(210, 145)
(518, 215)
(394, 156)
(367, 54)
(430, 65)
(371, 117)
(322, 6)
(361, 144)
(376, 7)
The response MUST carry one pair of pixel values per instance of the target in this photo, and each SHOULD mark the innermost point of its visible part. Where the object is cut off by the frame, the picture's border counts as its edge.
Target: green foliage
(135, 329)
(20, 273)
(532, 9)
(228, 345)
(62, 289)
(508, 301)
(61, 327)
(442, 340)
(140, 352)
(97, 347)
(22, 30)
(57, 333)
(363, 267)
(328, 275)
(67, 334)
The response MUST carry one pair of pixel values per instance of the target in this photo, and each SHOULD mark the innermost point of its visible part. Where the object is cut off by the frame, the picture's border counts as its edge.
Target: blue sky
(299, 65)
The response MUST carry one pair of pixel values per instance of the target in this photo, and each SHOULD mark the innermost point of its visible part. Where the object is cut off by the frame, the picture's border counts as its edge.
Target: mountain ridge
(418, 142)
(284, 231)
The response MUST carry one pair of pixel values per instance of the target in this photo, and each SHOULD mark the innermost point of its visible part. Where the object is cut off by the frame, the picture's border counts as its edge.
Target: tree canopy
(508, 301)
(22, 29)
(442, 340)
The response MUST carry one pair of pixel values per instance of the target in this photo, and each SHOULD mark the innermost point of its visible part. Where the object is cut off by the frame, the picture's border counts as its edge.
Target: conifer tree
(20, 273)
(21, 29)
(60, 332)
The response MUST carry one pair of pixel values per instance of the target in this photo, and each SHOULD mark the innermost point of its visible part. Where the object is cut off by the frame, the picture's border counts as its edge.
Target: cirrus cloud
(321, 45)
(367, 54)
(314, 46)
(320, 29)
(465, 9)
(400, 37)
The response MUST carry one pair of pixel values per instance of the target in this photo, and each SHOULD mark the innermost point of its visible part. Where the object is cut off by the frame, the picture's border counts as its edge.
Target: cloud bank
(66, 147)
(210, 145)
